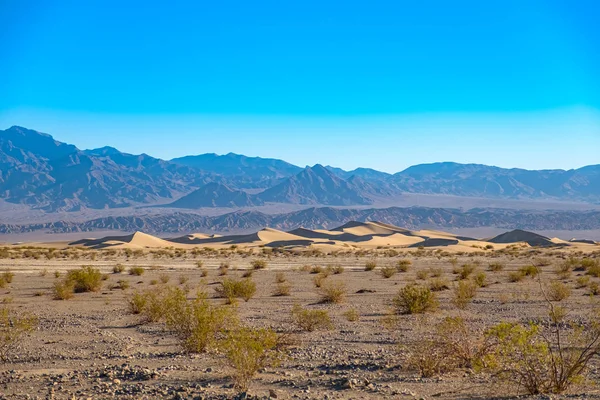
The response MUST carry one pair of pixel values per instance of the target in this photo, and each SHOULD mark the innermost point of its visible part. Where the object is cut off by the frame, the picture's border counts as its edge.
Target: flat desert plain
(365, 344)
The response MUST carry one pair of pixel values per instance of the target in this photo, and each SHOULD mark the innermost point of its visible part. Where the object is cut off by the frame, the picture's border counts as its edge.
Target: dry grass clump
(223, 269)
(232, 288)
(319, 280)
(259, 264)
(480, 279)
(203, 272)
(529, 270)
(13, 327)
(422, 274)
(316, 269)
(183, 279)
(280, 277)
(414, 299)
(370, 265)
(333, 292)
(310, 320)
(438, 284)
(558, 291)
(515, 276)
(282, 289)
(464, 292)
(336, 269)
(388, 271)
(582, 281)
(118, 269)
(435, 272)
(403, 265)
(136, 271)
(464, 271)
(164, 278)
(7, 276)
(351, 315)
(63, 290)
(247, 351)
(496, 266)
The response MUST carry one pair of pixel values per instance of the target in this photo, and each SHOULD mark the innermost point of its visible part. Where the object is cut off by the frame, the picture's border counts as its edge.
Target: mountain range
(45, 174)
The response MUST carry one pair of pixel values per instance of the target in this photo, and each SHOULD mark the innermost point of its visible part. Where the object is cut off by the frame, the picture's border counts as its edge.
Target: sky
(379, 84)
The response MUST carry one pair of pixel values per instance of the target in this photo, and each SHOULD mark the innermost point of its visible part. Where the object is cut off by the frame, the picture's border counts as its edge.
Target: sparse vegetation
(259, 264)
(414, 299)
(464, 292)
(13, 327)
(333, 292)
(310, 320)
(370, 265)
(388, 271)
(137, 271)
(232, 288)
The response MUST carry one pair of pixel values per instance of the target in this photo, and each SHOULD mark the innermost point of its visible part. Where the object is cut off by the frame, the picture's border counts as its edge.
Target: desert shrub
(543, 359)
(403, 265)
(196, 322)
(480, 279)
(137, 271)
(8, 276)
(316, 269)
(465, 271)
(319, 280)
(414, 299)
(388, 271)
(451, 344)
(558, 291)
(336, 269)
(516, 276)
(422, 274)
(259, 264)
(280, 277)
(57, 274)
(231, 289)
(464, 292)
(542, 262)
(282, 289)
(63, 290)
(2, 283)
(118, 269)
(438, 285)
(249, 350)
(137, 302)
(153, 282)
(594, 270)
(529, 270)
(122, 284)
(85, 279)
(310, 320)
(496, 267)
(582, 281)
(333, 292)
(352, 315)
(200, 264)
(203, 272)
(13, 327)
(370, 265)
(164, 278)
(183, 279)
(594, 288)
(435, 272)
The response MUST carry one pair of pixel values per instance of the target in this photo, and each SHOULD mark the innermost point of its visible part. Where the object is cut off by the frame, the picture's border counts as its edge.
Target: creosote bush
(438, 284)
(85, 279)
(464, 292)
(118, 269)
(388, 271)
(333, 292)
(403, 265)
(259, 264)
(558, 291)
(232, 288)
(137, 271)
(370, 265)
(310, 320)
(464, 271)
(351, 315)
(414, 299)
(13, 327)
(496, 266)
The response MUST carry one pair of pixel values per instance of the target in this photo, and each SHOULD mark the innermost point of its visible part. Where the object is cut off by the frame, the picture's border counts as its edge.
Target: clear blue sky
(382, 84)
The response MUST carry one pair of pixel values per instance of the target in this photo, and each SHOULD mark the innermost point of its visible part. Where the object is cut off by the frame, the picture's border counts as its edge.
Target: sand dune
(353, 235)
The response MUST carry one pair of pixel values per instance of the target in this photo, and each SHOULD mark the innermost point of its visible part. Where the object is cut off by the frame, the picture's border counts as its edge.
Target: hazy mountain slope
(255, 172)
(216, 195)
(326, 217)
(315, 185)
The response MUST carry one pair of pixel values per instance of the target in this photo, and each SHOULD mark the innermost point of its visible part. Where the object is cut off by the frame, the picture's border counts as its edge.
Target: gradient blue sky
(381, 84)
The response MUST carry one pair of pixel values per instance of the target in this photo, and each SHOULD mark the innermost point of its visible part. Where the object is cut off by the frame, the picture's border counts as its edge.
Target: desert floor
(93, 347)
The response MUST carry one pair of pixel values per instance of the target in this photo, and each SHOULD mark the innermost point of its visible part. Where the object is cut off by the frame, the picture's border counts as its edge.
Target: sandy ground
(92, 347)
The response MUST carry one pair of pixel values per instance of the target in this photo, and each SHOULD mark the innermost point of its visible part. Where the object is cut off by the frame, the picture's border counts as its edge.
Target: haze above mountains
(44, 174)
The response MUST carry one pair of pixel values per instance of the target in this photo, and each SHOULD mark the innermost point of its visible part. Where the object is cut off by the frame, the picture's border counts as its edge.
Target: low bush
(496, 267)
(414, 299)
(333, 292)
(232, 288)
(85, 279)
(438, 285)
(516, 276)
(310, 320)
(282, 289)
(464, 292)
(118, 269)
(164, 278)
(529, 270)
(351, 315)
(480, 279)
(280, 277)
(370, 265)
(259, 264)
(388, 271)
(137, 271)
(403, 265)
(558, 291)
(13, 327)
(465, 271)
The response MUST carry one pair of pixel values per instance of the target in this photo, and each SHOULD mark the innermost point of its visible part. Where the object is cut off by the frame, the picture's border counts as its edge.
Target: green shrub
(137, 271)
(496, 267)
(516, 276)
(249, 350)
(414, 299)
(438, 285)
(480, 279)
(464, 292)
(310, 320)
(529, 270)
(465, 271)
(232, 289)
(558, 291)
(85, 279)
(63, 290)
(352, 315)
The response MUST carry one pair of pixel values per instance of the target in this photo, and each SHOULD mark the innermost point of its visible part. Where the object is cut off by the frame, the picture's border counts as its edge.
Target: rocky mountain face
(324, 217)
(244, 172)
(46, 174)
(316, 185)
(216, 195)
